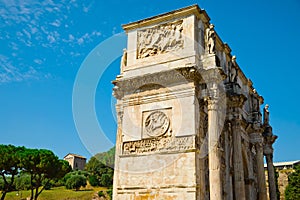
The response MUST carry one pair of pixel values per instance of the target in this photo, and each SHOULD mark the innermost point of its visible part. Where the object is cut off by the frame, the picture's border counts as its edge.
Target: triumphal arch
(190, 124)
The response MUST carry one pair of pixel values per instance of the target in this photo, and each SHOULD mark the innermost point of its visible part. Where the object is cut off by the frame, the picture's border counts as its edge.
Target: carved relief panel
(160, 39)
(156, 123)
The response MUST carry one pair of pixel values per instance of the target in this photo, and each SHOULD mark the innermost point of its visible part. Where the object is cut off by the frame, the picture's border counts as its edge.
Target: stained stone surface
(189, 120)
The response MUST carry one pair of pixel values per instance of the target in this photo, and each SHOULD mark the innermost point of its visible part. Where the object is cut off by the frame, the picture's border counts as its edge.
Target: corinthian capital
(212, 103)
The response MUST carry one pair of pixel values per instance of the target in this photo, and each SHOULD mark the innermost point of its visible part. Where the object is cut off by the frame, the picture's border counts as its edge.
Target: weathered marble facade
(189, 120)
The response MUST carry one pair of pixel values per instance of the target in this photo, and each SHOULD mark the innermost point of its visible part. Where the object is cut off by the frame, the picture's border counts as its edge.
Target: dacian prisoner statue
(210, 39)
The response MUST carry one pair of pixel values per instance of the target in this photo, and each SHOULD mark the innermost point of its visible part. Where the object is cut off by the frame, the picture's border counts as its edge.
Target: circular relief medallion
(157, 124)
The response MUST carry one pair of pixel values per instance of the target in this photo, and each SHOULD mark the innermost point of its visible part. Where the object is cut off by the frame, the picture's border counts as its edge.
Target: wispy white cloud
(51, 38)
(11, 73)
(38, 61)
(35, 25)
(87, 8)
(56, 23)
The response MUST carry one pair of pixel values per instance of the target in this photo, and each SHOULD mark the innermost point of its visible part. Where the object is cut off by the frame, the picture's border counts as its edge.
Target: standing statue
(124, 59)
(255, 101)
(210, 37)
(266, 115)
(233, 70)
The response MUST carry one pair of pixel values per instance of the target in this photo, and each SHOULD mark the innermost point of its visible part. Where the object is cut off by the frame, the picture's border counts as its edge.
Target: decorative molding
(159, 145)
(237, 100)
(157, 96)
(164, 78)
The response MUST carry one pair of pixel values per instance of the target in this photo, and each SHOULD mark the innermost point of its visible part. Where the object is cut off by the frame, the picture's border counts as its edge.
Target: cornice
(190, 10)
(125, 86)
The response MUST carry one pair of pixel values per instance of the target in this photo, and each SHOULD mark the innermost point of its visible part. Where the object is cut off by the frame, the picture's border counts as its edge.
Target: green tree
(93, 180)
(76, 172)
(42, 166)
(98, 169)
(75, 182)
(23, 182)
(1, 184)
(292, 191)
(106, 180)
(107, 158)
(10, 163)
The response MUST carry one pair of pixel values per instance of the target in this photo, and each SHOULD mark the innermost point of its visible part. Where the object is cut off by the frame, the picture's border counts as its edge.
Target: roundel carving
(157, 123)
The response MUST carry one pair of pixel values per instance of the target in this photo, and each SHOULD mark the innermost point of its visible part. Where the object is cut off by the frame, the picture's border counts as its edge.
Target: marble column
(261, 178)
(268, 152)
(202, 156)
(271, 177)
(228, 159)
(269, 139)
(214, 159)
(118, 149)
(239, 182)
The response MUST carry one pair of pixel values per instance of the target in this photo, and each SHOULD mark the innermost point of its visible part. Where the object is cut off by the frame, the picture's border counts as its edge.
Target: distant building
(77, 162)
(283, 169)
(285, 165)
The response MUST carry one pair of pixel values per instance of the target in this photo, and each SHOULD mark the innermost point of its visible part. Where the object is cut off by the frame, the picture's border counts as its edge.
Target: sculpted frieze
(160, 144)
(160, 39)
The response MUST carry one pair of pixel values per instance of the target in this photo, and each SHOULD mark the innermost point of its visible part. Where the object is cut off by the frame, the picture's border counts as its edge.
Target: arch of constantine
(190, 124)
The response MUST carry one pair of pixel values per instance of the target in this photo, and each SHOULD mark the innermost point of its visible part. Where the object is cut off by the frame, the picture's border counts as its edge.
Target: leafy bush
(47, 184)
(101, 172)
(75, 182)
(63, 181)
(80, 172)
(109, 192)
(93, 180)
(59, 183)
(292, 191)
(1, 183)
(106, 180)
(101, 194)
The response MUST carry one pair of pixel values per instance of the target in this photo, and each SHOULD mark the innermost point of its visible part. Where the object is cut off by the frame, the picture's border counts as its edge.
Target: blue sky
(43, 45)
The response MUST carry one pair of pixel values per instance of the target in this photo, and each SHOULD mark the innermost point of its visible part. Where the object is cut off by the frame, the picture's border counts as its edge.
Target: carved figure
(233, 70)
(255, 104)
(210, 37)
(160, 39)
(124, 59)
(157, 123)
(266, 115)
(255, 101)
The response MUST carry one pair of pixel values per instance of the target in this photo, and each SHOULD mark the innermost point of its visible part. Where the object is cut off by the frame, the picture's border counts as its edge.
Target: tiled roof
(75, 155)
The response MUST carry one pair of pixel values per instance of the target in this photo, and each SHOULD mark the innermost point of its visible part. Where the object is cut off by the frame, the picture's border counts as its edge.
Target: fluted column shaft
(261, 178)
(215, 178)
(202, 158)
(239, 182)
(271, 177)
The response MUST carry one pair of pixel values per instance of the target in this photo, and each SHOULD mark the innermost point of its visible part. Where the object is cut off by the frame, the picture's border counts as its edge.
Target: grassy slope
(59, 193)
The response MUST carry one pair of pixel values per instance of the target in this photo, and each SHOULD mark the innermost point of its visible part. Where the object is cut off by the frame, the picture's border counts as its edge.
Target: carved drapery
(160, 39)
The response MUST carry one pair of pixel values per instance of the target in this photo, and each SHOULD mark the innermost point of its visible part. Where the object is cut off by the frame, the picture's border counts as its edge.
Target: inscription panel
(162, 144)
